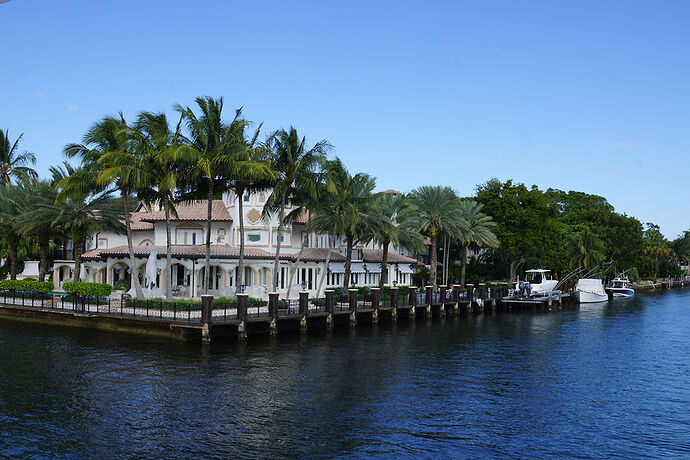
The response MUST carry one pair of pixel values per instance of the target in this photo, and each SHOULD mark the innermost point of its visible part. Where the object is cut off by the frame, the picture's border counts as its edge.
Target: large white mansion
(106, 259)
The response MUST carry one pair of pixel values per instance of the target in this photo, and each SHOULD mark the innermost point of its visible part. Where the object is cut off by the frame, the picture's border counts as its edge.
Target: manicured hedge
(88, 289)
(26, 285)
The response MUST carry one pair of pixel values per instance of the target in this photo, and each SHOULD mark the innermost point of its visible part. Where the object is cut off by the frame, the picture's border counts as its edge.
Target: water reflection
(610, 380)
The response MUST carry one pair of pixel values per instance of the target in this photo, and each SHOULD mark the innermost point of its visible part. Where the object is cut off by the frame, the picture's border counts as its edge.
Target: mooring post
(273, 311)
(494, 296)
(394, 303)
(242, 316)
(482, 295)
(470, 296)
(303, 310)
(442, 299)
(428, 293)
(206, 317)
(456, 298)
(375, 304)
(329, 308)
(353, 306)
(413, 302)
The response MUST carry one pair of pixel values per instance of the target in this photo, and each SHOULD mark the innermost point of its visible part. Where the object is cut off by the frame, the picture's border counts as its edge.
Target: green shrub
(26, 285)
(123, 284)
(87, 289)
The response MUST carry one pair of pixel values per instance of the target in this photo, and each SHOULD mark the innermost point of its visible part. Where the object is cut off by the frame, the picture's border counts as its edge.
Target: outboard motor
(525, 289)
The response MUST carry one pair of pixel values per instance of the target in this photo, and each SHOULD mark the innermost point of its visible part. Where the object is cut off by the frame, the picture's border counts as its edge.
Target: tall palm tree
(397, 228)
(110, 136)
(81, 210)
(13, 164)
(475, 228)
(247, 169)
(37, 219)
(209, 146)
(349, 207)
(13, 243)
(435, 210)
(585, 248)
(291, 161)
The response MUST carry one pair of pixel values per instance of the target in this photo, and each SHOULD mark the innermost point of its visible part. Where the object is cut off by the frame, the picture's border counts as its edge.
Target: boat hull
(590, 297)
(621, 292)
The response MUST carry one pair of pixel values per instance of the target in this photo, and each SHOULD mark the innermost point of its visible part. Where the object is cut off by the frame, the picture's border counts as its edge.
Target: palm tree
(37, 219)
(13, 164)
(435, 210)
(109, 136)
(585, 249)
(349, 207)
(207, 148)
(13, 243)
(291, 161)
(247, 169)
(80, 210)
(475, 228)
(397, 228)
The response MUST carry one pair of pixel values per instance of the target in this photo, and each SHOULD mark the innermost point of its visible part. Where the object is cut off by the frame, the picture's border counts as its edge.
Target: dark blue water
(611, 380)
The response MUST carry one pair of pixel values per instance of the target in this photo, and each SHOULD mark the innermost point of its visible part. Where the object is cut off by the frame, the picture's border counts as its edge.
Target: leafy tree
(107, 150)
(397, 228)
(435, 210)
(291, 160)
(476, 229)
(585, 248)
(13, 164)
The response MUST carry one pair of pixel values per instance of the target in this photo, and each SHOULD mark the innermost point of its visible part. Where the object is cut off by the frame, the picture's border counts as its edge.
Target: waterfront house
(106, 259)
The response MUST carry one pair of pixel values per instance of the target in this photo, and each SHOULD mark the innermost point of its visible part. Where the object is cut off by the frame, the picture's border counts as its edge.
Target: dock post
(353, 306)
(413, 302)
(494, 296)
(375, 304)
(394, 303)
(242, 316)
(470, 296)
(428, 296)
(456, 298)
(442, 290)
(549, 303)
(273, 311)
(303, 310)
(482, 295)
(206, 317)
(329, 308)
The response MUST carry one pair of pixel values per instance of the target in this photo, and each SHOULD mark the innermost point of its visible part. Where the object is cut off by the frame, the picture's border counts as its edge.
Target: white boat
(539, 283)
(590, 290)
(620, 287)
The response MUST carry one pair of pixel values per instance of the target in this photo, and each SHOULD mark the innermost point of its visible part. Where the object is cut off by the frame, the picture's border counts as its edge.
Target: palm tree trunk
(299, 258)
(434, 259)
(328, 261)
(78, 249)
(134, 275)
(207, 262)
(240, 263)
(463, 264)
(348, 261)
(384, 263)
(281, 217)
(13, 262)
(42, 259)
(168, 254)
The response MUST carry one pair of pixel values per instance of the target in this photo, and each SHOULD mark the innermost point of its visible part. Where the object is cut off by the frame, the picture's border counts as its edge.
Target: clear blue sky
(590, 96)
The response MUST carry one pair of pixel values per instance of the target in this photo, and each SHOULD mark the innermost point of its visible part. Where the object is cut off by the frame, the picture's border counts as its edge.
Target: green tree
(349, 207)
(291, 160)
(14, 164)
(435, 211)
(397, 228)
(13, 243)
(585, 249)
(476, 228)
(80, 210)
(104, 149)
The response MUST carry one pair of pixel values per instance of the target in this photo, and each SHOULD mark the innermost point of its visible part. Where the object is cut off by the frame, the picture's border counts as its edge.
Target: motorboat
(539, 283)
(590, 290)
(620, 286)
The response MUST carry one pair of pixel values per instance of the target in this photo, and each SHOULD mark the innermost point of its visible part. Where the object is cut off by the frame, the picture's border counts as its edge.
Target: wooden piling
(206, 317)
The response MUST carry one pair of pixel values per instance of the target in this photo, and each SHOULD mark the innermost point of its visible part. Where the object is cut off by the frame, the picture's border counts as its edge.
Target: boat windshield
(535, 278)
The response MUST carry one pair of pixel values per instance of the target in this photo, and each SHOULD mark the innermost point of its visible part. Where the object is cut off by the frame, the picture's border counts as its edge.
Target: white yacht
(620, 287)
(539, 283)
(590, 290)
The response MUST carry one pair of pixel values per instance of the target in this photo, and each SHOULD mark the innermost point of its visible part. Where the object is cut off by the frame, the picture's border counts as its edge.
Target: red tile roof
(376, 255)
(194, 211)
(137, 224)
(319, 255)
(217, 252)
(302, 218)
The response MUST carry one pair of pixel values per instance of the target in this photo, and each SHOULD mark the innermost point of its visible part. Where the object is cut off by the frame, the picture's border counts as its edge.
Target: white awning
(357, 268)
(336, 267)
(374, 268)
(405, 268)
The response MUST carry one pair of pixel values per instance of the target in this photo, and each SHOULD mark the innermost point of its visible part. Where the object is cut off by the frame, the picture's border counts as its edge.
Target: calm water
(610, 380)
